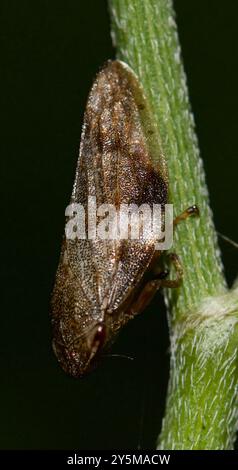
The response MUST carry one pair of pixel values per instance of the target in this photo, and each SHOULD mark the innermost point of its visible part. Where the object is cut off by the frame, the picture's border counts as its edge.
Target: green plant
(201, 410)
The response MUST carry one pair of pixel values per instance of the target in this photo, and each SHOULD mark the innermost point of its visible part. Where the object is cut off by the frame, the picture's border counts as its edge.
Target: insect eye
(99, 336)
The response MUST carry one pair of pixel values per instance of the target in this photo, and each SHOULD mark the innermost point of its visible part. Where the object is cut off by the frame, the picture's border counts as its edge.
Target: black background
(50, 52)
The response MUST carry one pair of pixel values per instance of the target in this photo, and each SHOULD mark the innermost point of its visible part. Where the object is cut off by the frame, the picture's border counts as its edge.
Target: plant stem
(144, 33)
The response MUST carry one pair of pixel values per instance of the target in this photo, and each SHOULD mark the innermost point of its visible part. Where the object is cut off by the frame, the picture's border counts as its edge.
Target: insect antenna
(228, 240)
(122, 356)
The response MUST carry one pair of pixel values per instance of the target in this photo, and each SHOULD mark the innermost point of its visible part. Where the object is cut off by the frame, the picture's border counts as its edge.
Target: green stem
(144, 33)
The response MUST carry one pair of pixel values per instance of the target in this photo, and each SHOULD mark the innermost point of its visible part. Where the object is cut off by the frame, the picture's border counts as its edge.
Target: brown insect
(101, 284)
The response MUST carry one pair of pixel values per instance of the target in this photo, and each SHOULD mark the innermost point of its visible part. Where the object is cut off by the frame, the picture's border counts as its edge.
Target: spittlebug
(100, 284)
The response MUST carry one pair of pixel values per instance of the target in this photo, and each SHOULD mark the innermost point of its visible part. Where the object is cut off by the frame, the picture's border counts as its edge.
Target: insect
(101, 284)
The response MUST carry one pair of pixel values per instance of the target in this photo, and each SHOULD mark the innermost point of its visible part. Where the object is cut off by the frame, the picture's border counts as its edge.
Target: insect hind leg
(179, 272)
(151, 287)
(190, 211)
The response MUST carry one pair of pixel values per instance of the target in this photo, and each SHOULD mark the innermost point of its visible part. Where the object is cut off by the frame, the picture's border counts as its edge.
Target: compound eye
(99, 337)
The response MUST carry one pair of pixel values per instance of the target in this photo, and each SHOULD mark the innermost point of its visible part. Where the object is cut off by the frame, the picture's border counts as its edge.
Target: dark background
(50, 52)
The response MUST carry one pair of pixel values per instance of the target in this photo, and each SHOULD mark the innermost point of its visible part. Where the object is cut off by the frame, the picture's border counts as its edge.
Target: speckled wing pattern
(115, 166)
(95, 277)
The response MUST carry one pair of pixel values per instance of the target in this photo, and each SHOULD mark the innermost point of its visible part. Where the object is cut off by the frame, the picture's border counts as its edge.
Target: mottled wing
(115, 165)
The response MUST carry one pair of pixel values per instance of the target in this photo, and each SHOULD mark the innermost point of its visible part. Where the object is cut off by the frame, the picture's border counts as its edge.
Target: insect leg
(152, 286)
(192, 210)
(147, 293)
(179, 272)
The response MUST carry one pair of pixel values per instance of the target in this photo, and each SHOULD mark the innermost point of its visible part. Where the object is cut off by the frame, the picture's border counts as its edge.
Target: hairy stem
(145, 36)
